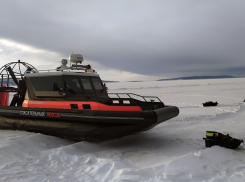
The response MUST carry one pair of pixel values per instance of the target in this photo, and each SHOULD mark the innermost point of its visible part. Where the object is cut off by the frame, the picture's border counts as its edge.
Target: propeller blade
(12, 75)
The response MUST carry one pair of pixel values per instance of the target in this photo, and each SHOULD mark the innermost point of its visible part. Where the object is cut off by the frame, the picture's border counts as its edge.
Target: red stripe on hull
(67, 105)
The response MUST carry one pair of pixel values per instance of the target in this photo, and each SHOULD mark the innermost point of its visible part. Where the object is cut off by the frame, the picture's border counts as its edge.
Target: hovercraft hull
(80, 125)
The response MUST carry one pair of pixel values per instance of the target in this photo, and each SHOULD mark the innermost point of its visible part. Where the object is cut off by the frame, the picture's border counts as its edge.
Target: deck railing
(135, 96)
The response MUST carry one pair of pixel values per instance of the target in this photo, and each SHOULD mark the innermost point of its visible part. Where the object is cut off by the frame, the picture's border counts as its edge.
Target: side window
(97, 84)
(46, 83)
(86, 85)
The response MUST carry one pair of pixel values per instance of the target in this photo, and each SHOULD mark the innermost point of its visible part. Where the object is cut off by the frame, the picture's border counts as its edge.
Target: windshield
(97, 84)
(84, 84)
(73, 83)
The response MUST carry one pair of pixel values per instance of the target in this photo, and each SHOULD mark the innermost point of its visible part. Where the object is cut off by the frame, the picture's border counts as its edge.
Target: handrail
(128, 94)
(69, 70)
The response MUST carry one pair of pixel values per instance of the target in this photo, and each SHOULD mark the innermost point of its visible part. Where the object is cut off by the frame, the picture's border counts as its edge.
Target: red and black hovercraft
(72, 102)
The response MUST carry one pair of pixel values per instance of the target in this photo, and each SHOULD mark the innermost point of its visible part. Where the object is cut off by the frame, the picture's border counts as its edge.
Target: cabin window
(97, 84)
(73, 82)
(86, 85)
(46, 83)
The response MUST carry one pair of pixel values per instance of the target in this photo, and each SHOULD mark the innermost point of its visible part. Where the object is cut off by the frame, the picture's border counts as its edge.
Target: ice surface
(172, 151)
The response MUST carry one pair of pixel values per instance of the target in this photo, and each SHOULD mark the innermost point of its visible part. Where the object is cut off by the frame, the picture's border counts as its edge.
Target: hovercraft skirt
(83, 125)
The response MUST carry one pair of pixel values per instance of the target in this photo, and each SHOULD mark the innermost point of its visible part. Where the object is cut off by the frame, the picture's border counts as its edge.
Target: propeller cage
(12, 80)
(12, 73)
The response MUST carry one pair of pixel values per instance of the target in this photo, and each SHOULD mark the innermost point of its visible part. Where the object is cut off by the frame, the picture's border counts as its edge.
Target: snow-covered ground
(172, 151)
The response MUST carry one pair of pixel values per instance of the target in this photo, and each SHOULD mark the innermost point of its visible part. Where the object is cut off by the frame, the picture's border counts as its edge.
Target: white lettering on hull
(32, 113)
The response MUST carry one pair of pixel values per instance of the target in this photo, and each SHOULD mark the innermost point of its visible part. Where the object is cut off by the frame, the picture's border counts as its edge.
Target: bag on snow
(216, 138)
(210, 103)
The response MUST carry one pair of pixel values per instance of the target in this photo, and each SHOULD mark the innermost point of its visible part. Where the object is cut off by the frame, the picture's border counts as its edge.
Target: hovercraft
(72, 102)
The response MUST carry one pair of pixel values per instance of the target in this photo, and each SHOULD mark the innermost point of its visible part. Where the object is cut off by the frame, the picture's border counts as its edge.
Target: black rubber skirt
(80, 125)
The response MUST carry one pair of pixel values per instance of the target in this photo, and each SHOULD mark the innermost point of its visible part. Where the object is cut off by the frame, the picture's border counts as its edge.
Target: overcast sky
(128, 39)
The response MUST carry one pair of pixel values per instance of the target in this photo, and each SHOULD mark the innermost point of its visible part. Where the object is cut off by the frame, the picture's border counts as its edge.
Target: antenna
(76, 58)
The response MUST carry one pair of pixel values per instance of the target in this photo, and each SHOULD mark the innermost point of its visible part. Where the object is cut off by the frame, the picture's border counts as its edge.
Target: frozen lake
(172, 151)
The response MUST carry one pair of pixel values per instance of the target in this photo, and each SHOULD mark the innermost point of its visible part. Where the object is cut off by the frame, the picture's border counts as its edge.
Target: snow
(172, 151)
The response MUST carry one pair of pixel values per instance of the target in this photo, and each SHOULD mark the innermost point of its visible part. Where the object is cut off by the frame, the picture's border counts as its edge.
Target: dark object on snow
(216, 138)
(210, 103)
